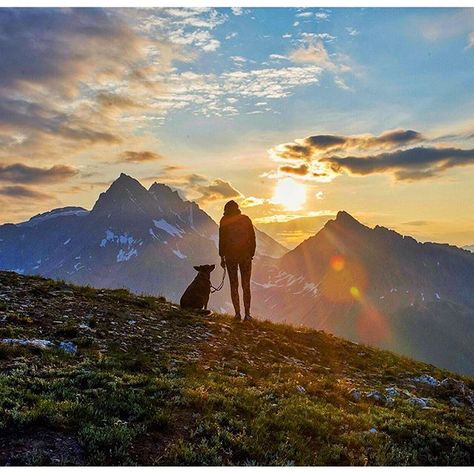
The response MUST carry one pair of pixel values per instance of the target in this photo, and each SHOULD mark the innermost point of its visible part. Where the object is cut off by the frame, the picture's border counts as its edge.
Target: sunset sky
(295, 113)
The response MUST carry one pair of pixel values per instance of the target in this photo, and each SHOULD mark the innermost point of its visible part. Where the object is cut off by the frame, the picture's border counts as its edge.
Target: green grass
(178, 388)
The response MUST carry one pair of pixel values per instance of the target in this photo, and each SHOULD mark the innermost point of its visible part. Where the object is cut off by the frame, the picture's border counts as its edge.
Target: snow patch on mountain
(152, 233)
(121, 239)
(124, 256)
(169, 228)
(179, 254)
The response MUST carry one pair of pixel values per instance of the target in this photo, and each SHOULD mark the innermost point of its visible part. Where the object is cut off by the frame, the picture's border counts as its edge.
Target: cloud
(20, 173)
(24, 192)
(252, 201)
(307, 148)
(31, 117)
(72, 78)
(110, 100)
(352, 31)
(301, 170)
(237, 11)
(217, 190)
(206, 94)
(416, 223)
(322, 15)
(277, 57)
(412, 164)
(324, 157)
(139, 156)
(57, 66)
(450, 23)
(304, 15)
(470, 40)
(238, 59)
(313, 53)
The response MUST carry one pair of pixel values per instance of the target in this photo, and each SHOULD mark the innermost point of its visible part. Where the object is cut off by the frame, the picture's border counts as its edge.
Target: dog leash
(219, 288)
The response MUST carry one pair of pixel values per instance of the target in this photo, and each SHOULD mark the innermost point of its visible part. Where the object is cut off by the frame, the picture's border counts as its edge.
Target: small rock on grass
(419, 402)
(68, 347)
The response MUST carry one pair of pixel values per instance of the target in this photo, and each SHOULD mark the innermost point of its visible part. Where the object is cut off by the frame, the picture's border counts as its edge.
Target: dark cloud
(62, 46)
(170, 168)
(323, 157)
(117, 101)
(416, 223)
(139, 156)
(59, 72)
(28, 116)
(323, 142)
(24, 192)
(20, 173)
(412, 164)
(308, 148)
(301, 170)
(217, 190)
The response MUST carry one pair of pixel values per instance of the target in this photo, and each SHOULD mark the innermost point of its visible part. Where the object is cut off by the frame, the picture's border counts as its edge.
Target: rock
(68, 347)
(300, 389)
(455, 402)
(376, 396)
(426, 379)
(392, 392)
(39, 343)
(389, 401)
(453, 385)
(373, 430)
(419, 402)
(355, 395)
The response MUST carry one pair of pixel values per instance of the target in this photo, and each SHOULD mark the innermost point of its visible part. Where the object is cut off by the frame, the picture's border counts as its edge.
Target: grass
(174, 388)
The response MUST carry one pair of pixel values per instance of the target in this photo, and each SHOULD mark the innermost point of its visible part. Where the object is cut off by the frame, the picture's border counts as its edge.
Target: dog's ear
(211, 267)
(198, 269)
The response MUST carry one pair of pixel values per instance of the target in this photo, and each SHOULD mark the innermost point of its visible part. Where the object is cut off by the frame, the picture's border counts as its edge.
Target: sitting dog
(197, 293)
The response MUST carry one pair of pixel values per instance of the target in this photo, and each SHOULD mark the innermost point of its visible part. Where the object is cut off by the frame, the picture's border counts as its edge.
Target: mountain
(294, 230)
(469, 247)
(373, 286)
(379, 287)
(144, 240)
(106, 377)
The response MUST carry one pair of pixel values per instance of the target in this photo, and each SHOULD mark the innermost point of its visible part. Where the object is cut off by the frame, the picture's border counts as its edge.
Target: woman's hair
(231, 208)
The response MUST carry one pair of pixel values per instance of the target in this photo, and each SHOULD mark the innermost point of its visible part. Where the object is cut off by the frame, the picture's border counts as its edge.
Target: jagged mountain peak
(124, 180)
(166, 195)
(125, 193)
(344, 219)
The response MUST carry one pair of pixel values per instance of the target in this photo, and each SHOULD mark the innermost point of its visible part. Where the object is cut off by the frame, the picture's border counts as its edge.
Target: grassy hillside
(152, 384)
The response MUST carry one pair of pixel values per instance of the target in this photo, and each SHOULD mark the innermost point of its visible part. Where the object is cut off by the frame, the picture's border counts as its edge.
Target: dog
(197, 293)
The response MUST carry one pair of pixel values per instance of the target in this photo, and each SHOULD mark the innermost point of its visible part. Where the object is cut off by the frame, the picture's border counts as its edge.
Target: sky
(294, 113)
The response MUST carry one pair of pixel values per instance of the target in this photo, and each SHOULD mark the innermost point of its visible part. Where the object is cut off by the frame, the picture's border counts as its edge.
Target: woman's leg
(234, 286)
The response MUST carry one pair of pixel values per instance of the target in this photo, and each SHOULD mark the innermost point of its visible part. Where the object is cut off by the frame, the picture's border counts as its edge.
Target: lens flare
(355, 292)
(337, 263)
(344, 281)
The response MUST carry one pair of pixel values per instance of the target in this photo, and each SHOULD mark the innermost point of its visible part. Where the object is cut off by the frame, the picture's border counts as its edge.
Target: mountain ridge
(362, 283)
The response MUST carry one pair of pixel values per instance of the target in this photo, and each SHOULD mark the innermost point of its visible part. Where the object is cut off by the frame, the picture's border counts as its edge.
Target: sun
(290, 194)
